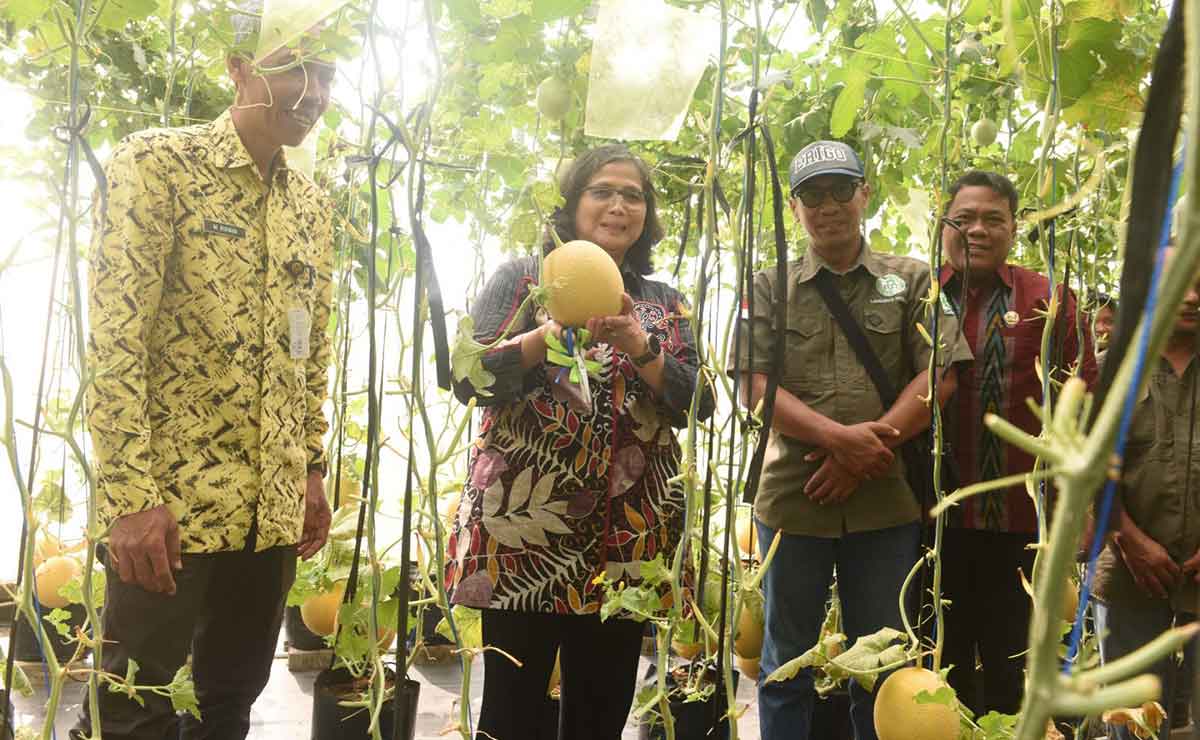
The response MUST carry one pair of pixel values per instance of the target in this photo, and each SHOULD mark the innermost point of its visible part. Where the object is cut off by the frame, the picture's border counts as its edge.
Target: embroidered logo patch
(890, 285)
(220, 229)
(1011, 318)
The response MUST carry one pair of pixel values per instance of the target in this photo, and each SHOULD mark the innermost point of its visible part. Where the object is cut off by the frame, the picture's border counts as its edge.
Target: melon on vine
(52, 575)
(898, 716)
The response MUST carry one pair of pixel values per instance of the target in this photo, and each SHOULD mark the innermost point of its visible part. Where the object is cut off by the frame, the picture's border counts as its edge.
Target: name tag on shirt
(299, 328)
(220, 229)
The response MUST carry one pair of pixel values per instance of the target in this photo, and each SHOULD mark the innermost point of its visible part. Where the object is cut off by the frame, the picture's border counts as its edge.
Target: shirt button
(873, 320)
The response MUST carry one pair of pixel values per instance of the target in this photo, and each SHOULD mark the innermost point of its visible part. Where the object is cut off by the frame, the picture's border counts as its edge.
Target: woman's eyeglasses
(605, 194)
(842, 192)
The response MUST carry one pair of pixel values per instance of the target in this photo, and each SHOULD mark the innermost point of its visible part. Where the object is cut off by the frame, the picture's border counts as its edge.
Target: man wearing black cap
(833, 483)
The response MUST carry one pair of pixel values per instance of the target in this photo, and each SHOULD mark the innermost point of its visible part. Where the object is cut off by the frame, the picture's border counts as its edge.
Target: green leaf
(869, 653)
(1077, 65)
(1109, 10)
(814, 656)
(58, 618)
(470, 627)
(116, 13)
(996, 724)
(52, 499)
(183, 691)
(818, 12)
(548, 10)
(977, 11)
(944, 696)
(25, 13)
(848, 103)
(465, 11)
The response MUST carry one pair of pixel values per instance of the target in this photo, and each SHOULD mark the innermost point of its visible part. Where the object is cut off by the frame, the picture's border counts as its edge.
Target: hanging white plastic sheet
(647, 59)
(284, 22)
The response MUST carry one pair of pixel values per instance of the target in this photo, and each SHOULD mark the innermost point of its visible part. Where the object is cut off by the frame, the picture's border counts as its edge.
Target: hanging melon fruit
(898, 716)
(320, 612)
(583, 283)
(52, 575)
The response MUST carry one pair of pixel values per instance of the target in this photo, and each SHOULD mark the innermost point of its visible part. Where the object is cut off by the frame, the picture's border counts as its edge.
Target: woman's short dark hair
(1000, 184)
(576, 178)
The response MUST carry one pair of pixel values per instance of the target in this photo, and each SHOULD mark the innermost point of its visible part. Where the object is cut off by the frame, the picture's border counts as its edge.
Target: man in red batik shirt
(989, 535)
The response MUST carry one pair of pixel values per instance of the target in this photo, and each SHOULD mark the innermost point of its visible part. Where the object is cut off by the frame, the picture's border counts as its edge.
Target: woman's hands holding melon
(623, 332)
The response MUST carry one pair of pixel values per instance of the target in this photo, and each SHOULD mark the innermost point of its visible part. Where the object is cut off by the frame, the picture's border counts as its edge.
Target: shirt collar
(1005, 273)
(811, 263)
(226, 149)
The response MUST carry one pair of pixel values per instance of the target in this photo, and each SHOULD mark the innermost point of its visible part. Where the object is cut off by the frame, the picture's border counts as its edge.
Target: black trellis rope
(780, 300)
(683, 239)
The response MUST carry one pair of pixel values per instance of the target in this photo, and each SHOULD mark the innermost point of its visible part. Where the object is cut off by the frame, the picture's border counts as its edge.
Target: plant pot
(435, 649)
(297, 635)
(431, 616)
(333, 722)
(831, 716)
(696, 720)
(28, 650)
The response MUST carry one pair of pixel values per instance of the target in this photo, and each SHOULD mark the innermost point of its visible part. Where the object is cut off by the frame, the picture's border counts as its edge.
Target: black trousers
(598, 668)
(990, 612)
(226, 613)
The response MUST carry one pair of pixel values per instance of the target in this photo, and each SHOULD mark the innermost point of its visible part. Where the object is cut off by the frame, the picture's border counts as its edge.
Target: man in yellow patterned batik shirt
(210, 293)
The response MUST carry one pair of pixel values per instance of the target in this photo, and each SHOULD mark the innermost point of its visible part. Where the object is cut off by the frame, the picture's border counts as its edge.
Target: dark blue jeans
(1125, 627)
(871, 568)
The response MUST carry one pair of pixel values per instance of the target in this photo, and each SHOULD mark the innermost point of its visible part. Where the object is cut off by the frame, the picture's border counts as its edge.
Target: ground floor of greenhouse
(283, 712)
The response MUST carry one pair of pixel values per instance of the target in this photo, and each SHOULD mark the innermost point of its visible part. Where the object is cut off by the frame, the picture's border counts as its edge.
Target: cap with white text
(824, 158)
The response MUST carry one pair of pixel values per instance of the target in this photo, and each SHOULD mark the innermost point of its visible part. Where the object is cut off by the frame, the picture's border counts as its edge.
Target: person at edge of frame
(565, 487)
(987, 541)
(832, 482)
(210, 293)
(1147, 574)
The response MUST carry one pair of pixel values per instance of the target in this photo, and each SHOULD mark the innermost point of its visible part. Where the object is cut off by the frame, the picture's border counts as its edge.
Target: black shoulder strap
(854, 335)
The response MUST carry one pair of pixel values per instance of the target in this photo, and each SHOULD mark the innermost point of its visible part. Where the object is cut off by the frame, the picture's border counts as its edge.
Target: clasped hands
(855, 453)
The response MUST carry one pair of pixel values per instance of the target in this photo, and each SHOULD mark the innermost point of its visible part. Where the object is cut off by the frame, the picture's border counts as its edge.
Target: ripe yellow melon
(747, 537)
(47, 546)
(685, 650)
(52, 575)
(584, 283)
(899, 717)
(320, 612)
(748, 666)
(749, 640)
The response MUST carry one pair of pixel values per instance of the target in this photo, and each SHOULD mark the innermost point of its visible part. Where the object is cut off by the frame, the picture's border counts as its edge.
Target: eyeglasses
(842, 192)
(605, 194)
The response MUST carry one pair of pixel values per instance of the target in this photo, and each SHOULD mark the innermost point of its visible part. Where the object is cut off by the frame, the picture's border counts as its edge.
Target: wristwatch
(653, 350)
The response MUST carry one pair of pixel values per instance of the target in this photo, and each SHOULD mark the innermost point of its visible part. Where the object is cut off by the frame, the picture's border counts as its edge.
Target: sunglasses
(842, 192)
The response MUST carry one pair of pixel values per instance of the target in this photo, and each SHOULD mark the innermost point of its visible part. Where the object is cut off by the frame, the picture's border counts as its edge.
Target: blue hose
(1110, 486)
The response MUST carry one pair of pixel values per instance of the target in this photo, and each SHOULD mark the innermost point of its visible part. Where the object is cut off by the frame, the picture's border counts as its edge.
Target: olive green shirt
(1159, 483)
(885, 295)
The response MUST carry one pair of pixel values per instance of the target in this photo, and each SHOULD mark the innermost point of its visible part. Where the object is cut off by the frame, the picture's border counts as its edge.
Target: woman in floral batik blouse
(560, 490)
